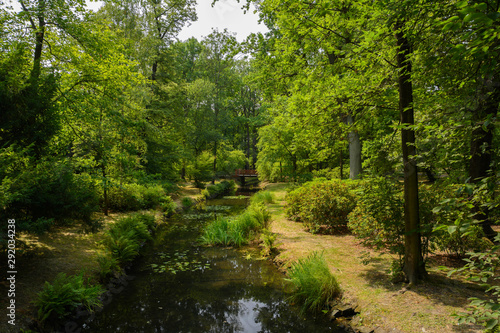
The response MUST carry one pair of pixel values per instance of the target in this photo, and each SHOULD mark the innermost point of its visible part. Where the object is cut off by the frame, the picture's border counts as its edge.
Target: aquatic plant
(314, 285)
(236, 231)
(262, 197)
(268, 244)
(179, 261)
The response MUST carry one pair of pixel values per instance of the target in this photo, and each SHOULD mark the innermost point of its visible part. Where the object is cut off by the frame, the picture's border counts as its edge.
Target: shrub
(378, 217)
(130, 197)
(123, 239)
(221, 189)
(187, 203)
(314, 285)
(168, 206)
(319, 203)
(455, 231)
(108, 265)
(37, 191)
(64, 295)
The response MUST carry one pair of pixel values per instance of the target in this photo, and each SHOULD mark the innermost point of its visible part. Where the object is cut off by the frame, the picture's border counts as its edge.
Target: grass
(362, 274)
(314, 285)
(236, 231)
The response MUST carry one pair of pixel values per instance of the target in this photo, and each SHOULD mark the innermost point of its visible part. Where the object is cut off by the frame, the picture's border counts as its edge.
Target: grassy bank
(363, 275)
(66, 249)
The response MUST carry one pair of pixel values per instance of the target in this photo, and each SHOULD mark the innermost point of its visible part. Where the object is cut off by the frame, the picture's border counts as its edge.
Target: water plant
(265, 197)
(314, 285)
(236, 231)
(64, 295)
(179, 261)
(268, 244)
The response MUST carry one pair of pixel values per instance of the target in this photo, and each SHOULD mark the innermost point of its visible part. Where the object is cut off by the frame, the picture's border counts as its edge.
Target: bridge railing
(245, 173)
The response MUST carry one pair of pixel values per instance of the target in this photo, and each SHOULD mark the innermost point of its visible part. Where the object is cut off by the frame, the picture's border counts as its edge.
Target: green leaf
(490, 324)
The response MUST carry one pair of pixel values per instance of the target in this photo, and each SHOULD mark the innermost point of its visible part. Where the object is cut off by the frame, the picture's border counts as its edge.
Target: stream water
(179, 286)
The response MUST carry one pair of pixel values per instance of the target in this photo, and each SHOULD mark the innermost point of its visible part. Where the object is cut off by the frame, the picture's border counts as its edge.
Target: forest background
(107, 111)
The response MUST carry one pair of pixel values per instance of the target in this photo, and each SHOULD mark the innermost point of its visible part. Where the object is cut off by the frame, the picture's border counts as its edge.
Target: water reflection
(233, 295)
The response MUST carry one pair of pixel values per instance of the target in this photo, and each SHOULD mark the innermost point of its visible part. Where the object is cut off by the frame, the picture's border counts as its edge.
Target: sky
(226, 14)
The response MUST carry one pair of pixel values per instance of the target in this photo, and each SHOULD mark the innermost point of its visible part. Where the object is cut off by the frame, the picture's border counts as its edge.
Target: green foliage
(221, 189)
(187, 203)
(264, 197)
(482, 267)
(378, 217)
(130, 197)
(455, 229)
(123, 240)
(314, 285)
(64, 295)
(44, 192)
(321, 203)
(108, 265)
(268, 244)
(236, 231)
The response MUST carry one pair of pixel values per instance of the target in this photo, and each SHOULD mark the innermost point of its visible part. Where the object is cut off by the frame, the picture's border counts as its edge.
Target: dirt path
(364, 277)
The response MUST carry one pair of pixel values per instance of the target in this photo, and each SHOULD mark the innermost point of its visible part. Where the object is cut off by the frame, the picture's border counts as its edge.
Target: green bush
(108, 265)
(314, 285)
(132, 197)
(321, 203)
(378, 217)
(187, 203)
(455, 230)
(221, 189)
(122, 241)
(64, 295)
(36, 192)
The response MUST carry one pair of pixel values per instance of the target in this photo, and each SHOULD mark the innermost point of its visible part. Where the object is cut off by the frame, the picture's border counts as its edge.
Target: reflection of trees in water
(235, 295)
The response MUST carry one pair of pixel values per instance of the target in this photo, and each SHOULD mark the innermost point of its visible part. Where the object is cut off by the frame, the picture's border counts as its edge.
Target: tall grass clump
(64, 295)
(236, 231)
(265, 197)
(314, 285)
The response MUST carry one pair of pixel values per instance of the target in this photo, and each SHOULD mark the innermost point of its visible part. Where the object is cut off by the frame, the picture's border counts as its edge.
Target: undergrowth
(314, 285)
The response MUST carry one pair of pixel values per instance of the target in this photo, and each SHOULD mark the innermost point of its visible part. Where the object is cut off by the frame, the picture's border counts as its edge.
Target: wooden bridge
(241, 174)
(245, 173)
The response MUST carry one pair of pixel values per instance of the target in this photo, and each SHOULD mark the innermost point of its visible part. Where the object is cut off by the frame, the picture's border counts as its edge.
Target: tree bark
(414, 268)
(354, 151)
(481, 146)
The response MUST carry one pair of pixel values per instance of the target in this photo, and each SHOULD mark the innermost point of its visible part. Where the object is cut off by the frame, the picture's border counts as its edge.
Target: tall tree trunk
(354, 151)
(341, 162)
(105, 190)
(414, 268)
(481, 146)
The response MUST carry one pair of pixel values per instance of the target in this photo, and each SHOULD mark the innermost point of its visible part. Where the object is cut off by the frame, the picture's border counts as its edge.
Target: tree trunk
(354, 151)
(105, 190)
(414, 268)
(341, 161)
(481, 146)
(39, 38)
